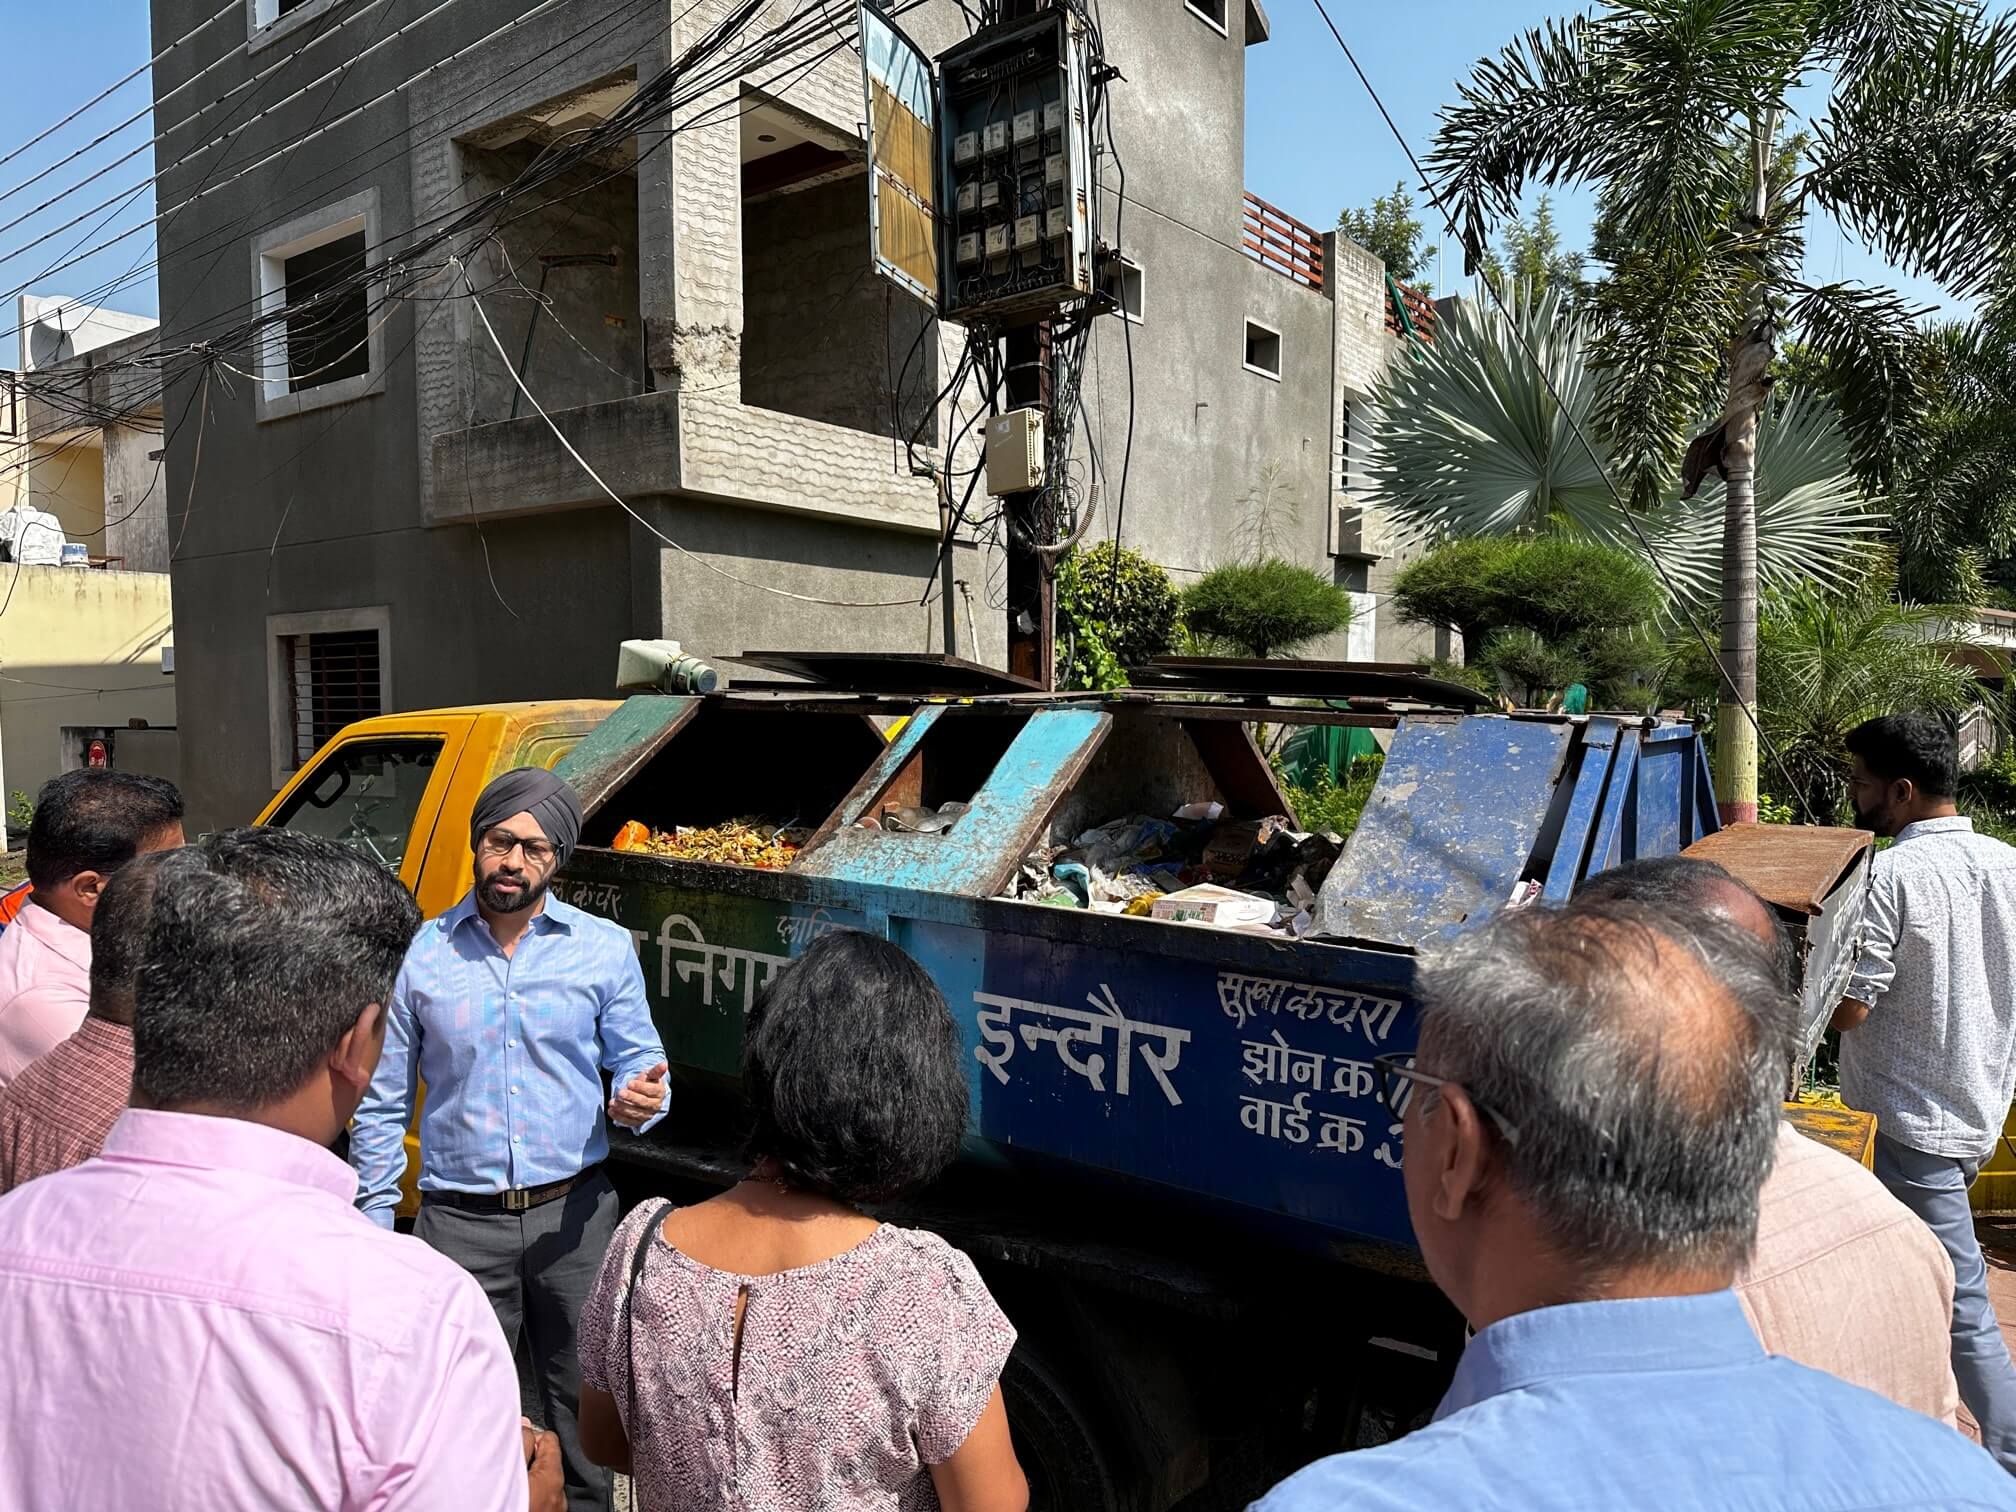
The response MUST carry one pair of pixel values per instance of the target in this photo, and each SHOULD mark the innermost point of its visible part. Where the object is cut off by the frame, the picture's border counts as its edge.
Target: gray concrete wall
(136, 499)
(587, 341)
(323, 510)
(823, 337)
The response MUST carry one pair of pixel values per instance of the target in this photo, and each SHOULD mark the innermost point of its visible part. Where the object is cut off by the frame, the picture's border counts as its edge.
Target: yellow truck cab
(400, 788)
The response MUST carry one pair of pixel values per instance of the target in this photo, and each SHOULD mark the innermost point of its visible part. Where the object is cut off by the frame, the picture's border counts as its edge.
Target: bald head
(1639, 1054)
(1662, 882)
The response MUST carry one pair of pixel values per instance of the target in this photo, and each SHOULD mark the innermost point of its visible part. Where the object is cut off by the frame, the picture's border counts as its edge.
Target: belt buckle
(518, 1199)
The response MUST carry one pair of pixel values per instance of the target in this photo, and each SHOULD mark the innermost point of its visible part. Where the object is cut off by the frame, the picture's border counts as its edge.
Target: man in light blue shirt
(1588, 1120)
(511, 1006)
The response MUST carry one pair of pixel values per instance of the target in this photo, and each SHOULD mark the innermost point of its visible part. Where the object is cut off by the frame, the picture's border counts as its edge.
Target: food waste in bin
(1195, 866)
(739, 842)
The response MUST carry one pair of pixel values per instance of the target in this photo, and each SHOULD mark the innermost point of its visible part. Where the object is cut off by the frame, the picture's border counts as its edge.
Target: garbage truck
(1181, 1183)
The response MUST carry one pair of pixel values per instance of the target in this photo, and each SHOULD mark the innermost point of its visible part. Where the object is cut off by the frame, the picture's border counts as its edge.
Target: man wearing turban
(511, 1007)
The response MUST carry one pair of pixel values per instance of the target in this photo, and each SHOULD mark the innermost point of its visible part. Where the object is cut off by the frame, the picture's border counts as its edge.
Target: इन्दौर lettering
(1083, 1031)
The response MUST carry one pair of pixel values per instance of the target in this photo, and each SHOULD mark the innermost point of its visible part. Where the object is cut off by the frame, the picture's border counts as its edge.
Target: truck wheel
(1059, 1453)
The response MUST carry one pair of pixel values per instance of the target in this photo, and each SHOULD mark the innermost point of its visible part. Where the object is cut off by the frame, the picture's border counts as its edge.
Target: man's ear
(355, 1057)
(87, 887)
(1462, 1153)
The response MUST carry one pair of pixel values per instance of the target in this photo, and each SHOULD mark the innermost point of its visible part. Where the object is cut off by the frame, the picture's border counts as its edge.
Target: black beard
(529, 898)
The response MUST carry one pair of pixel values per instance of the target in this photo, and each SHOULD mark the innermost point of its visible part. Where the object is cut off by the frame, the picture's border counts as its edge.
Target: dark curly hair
(851, 1069)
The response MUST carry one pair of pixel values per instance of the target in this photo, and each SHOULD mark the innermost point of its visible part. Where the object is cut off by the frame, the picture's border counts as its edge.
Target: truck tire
(1059, 1452)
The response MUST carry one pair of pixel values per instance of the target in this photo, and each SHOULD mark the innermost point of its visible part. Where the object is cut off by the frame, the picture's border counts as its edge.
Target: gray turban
(534, 791)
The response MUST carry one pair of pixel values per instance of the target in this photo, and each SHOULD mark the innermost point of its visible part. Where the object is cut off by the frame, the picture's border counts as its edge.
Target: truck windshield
(365, 793)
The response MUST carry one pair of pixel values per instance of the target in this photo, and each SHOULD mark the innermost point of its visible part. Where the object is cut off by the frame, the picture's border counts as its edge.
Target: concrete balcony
(672, 444)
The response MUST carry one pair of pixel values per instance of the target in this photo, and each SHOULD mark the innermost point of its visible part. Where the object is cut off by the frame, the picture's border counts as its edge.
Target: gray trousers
(536, 1267)
(1935, 1188)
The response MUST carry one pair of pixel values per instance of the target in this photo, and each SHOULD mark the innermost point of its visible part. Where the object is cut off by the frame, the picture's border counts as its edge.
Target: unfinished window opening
(822, 337)
(262, 14)
(932, 789)
(567, 306)
(783, 768)
(323, 340)
(328, 313)
(1263, 350)
(1123, 284)
(1210, 12)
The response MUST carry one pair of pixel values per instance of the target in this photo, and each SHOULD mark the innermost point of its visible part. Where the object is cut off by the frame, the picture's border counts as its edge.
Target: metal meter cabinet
(1001, 224)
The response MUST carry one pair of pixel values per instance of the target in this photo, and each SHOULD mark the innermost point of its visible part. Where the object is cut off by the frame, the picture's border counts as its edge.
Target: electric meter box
(1015, 452)
(1000, 125)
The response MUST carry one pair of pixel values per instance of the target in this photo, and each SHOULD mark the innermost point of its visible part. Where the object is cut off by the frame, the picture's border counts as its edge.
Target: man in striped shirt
(57, 1113)
(511, 1006)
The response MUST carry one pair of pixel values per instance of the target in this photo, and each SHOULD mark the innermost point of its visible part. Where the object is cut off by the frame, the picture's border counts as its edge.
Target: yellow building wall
(69, 482)
(77, 647)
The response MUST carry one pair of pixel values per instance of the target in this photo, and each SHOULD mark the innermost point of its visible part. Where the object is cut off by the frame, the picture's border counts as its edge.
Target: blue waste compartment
(1221, 1069)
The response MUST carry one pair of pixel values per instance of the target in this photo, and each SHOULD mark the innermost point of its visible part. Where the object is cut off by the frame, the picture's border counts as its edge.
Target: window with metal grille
(328, 313)
(333, 680)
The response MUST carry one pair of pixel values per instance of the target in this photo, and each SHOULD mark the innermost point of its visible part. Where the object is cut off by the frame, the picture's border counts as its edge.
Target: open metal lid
(918, 673)
(1391, 681)
(1791, 866)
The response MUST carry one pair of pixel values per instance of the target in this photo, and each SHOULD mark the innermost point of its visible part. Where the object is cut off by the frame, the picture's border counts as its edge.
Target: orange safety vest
(13, 903)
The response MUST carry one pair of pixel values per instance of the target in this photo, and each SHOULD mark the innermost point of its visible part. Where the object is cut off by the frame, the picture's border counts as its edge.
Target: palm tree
(1469, 441)
(1833, 660)
(1676, 111)
(1955, 497)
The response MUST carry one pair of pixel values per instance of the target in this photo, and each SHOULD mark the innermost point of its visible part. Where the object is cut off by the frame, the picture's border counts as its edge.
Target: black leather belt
(517, 1200)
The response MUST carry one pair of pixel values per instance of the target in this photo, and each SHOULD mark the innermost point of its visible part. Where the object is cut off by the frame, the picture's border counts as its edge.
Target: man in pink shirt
(87, 825)
(200, 1318)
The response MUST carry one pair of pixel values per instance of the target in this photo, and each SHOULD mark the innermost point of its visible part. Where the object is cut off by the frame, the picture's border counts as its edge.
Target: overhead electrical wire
(305, 195)
(120, 83)
(284, 60)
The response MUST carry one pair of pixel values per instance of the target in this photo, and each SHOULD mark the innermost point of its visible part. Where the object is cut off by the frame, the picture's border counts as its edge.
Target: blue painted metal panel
(1448, 830)
(979, 853)
(1231, 1068)
(1594, 760)
(1664, 799)
(1616, 828)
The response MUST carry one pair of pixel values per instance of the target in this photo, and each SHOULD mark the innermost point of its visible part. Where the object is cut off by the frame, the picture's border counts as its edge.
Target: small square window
(1122, 283)
(1263, 350)
(264, 18)
(1211, 12)
(326, 671)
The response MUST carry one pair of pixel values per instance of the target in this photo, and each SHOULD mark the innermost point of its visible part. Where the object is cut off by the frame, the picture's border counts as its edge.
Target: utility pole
(1032, 581)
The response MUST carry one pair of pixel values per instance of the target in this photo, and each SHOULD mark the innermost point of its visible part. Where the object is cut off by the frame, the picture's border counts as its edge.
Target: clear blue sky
(1314, 143)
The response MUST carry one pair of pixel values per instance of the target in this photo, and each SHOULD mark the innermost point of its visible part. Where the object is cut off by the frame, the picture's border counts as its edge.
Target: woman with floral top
(775, 1349)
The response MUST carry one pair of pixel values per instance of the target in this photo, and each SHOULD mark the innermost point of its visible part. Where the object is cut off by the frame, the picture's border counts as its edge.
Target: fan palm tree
(1676, 111)
(1470, 440)
(1833, 660)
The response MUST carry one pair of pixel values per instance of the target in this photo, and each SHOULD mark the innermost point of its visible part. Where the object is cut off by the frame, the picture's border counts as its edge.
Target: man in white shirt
(1929, 1023)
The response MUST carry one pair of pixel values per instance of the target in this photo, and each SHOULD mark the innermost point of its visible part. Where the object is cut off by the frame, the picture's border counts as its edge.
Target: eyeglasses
(1397, 1077)
(500, 843)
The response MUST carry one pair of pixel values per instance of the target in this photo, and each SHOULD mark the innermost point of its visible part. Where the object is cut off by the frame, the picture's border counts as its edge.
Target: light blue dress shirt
(512, 1050)
(1666, 1402)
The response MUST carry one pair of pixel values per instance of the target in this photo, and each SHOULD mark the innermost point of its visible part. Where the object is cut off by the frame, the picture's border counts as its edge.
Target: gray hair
(1641, 1057)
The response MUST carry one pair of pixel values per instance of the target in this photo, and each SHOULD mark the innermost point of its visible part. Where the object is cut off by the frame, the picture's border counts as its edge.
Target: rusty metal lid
(1793, 866)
